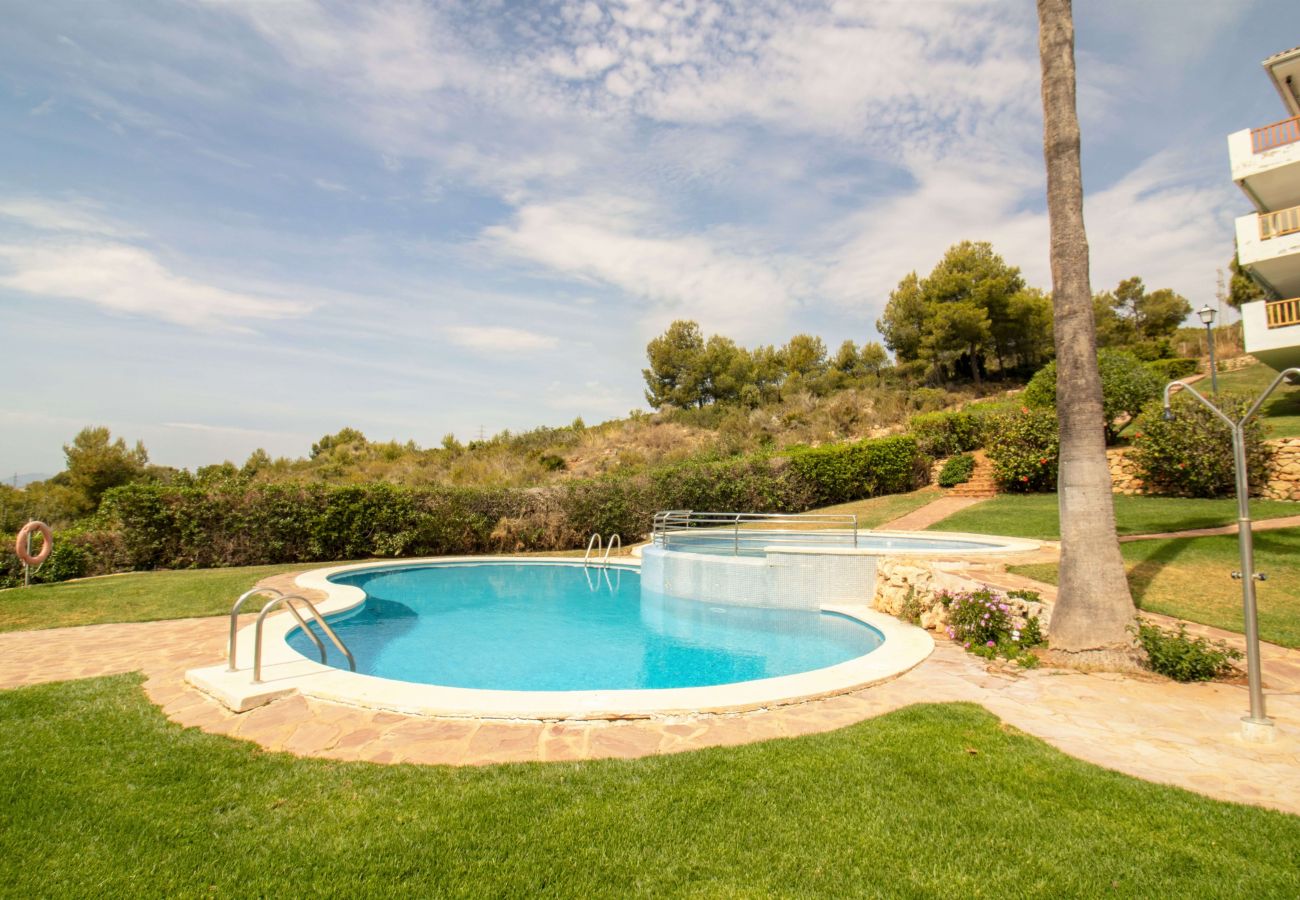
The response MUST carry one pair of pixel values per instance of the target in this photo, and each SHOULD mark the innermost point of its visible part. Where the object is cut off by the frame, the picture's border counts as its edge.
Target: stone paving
(1184, 735)
(932, 512)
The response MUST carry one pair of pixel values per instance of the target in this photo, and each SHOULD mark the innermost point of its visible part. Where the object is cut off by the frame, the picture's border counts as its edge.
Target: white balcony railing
(1278, 223)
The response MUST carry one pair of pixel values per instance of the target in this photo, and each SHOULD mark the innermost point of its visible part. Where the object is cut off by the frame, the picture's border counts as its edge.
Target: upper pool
(756, 541)
(548, 627)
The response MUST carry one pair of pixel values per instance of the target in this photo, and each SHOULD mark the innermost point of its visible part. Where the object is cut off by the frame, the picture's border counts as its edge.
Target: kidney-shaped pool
(516, 626)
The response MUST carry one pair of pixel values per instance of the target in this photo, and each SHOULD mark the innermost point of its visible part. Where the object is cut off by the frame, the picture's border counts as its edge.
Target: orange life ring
(20, 545)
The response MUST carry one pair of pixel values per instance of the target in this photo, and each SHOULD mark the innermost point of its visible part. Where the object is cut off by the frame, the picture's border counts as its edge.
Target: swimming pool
(514, 626)
(757, 542)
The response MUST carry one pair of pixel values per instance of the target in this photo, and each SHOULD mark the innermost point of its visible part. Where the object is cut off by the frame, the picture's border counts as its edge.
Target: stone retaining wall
(909, 589)
(1283, 481)
(1284, 473)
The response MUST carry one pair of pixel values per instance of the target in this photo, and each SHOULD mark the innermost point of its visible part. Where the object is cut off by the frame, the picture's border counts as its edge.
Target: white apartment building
(1266, 166)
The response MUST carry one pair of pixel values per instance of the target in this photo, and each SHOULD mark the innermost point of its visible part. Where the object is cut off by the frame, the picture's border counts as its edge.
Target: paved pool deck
(1182, 735)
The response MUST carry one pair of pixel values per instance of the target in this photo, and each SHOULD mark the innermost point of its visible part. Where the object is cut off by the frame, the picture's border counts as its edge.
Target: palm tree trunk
(1094, 608)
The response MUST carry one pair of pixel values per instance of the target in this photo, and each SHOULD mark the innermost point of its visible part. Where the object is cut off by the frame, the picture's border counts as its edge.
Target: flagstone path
(1185, 735)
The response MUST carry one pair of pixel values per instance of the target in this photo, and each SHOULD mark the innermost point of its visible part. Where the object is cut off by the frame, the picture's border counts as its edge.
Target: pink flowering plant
(983, 622)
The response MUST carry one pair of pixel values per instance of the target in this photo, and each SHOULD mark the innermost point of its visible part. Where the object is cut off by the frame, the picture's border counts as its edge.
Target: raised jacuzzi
(791, 567)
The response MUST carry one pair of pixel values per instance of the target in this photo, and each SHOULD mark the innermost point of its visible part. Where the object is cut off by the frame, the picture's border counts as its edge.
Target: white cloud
(499, 338)
(127, 279)
(45, 214)
(736, 290)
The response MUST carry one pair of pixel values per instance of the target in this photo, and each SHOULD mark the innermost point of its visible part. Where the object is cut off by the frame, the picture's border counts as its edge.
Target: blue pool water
(539, 627)
(720, 542)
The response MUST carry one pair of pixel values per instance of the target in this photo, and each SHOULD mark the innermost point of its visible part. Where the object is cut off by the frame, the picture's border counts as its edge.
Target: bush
(1192, 454)
(67, 559)
(982, 622)
(839, 473)
(1126, 386)
(956, 470)
(942, 434)
(1168, 370)
(1175, 654)
(1024, 450)
(159, 526)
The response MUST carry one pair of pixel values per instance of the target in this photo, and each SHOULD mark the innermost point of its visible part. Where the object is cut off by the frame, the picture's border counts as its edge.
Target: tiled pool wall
(785, 577)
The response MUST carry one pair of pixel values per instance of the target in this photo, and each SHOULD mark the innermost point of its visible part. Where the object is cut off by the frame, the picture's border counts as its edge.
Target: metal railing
(1276, 135)
(1280, 222)
(234, 620)
(734, 532)
(289, 602)
(1281, 313)
(596, 545)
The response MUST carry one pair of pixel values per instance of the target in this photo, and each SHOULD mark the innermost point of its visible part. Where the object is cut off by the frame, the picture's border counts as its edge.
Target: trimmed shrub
(1024, 449)
(943, 434)
(956, 471)
(1192, 455)
(1126, 386)
(157, 526)
(838, 473)
(1168, 370)
(1176, 655)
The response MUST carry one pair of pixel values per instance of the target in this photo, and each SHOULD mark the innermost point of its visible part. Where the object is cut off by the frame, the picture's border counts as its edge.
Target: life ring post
(23, 547)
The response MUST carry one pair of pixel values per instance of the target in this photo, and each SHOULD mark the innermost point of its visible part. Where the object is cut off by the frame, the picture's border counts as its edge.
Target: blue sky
(227, 224)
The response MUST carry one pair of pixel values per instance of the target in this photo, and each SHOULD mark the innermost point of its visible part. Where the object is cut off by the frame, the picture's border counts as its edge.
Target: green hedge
(1172, 369)
(957, 470)
(1191, 455)
(943, 434)
(1024, 450)
(157, 526)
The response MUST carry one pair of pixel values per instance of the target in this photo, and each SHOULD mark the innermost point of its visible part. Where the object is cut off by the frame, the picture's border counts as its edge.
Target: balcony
(1266, 164)
(1272, 331)
(1279, 223)
(1269, 245)
(1276, 135)
(1282, 313)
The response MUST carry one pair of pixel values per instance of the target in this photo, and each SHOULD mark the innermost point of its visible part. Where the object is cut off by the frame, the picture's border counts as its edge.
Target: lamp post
(1206, 313)
(1257, 726)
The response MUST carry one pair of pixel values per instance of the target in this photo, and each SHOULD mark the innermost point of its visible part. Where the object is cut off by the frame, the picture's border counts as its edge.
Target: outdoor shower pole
(1246, 546)
(1257, 726)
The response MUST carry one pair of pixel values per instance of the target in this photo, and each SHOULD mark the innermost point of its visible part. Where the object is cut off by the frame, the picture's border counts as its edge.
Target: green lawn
(136, 597)
(1189, 578)
(1282, 411)
(101, 796)
(878, 510)
(1037, 515)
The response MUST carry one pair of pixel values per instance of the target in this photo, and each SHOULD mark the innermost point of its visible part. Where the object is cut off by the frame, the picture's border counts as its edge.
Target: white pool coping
(286, 672)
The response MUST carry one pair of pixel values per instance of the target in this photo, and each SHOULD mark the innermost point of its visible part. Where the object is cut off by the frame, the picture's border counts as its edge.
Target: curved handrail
(289, 600)
(609, 547)
(234, 620)
(595, 541)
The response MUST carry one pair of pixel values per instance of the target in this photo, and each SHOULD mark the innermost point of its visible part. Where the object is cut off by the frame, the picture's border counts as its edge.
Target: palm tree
(1094, 608)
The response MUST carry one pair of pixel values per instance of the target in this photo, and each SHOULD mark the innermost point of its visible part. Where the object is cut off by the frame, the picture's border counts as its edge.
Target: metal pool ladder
(289, 601)
(596, 544)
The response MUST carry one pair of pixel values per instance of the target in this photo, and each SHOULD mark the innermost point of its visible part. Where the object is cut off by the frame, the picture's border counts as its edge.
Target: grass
(1037, 515)
(134, 597)
(933, 800)
(878, 510)
(146, 596)
(1282, 411)
(1189, 578)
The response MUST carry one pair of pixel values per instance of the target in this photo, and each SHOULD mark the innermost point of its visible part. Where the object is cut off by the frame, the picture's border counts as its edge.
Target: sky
(232, 224)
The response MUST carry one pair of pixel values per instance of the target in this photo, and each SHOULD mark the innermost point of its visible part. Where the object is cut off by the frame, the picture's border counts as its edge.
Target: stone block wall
(1284, 472)
(910, 588)
(1283, 482)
